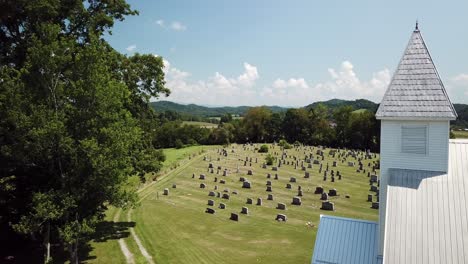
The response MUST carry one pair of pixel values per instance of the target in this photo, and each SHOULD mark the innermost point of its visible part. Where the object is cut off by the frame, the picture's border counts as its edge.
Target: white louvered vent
(414, 139)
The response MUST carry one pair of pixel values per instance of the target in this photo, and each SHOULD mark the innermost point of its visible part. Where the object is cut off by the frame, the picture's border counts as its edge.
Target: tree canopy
(75, 117)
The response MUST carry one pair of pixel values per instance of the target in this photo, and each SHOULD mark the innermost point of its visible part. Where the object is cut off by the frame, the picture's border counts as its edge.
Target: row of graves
(362, 162)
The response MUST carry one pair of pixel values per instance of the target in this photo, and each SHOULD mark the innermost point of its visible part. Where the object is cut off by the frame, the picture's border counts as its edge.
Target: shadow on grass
(18, 249)
(105, 231)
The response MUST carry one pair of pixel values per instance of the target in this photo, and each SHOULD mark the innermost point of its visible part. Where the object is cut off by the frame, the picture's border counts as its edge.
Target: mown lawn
(176, 229)
(460, 134)
(200, 124)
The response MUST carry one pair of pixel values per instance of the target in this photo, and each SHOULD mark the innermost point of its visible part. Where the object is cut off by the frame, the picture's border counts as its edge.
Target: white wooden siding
(391, 156)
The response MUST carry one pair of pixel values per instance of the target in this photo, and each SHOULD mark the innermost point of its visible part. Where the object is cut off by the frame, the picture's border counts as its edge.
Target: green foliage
(263, 149)
(76, 125)
(179, 144)
(270, 159)
(284, 144)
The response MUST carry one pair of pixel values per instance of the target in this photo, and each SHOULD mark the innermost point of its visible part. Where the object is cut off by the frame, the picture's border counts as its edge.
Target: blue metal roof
(345, 240)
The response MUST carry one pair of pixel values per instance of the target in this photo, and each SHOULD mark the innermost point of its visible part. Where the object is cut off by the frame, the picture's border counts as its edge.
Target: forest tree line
(342, 127)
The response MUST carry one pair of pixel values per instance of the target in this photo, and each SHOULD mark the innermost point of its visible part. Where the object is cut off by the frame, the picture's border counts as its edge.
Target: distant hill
(204, 111)
(356, 104)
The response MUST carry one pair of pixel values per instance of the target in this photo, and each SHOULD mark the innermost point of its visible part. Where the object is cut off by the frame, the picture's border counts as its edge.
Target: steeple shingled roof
(416, 90)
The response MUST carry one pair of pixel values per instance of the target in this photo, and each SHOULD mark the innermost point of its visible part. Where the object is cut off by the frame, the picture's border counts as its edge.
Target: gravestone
(202, 177)
(374, 188)
(299, 193)
(245, 210)
(332, 192)
(318, 190)
(210, 210)
(211, 193)
(292, 179)
(249, 172)
(241, 179)
(225, 173)
(268, 189)
(259, 201)
(281, 217)
(329, 206)
(222, 181)
(296, 201)
(306, 174)
(276, 176)
(268, 183)
(324, 196)
(268, 175)
(226, 196)
(373, 178)
(350, 164)
(375, 205)
(193, 175)
(249, 201)
(274, 168)
(369, 197)
(281, 206)
(222, 206)
(270, 197)
(166, 191)
(234, 217)
(174, 186)
(216, 187)
(234, 192)
(202, 185)
(288, 186)
(210, 202)
(246, 184)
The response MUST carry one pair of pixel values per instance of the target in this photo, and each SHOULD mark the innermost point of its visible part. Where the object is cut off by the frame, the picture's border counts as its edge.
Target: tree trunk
(73, 250)
(47, 243)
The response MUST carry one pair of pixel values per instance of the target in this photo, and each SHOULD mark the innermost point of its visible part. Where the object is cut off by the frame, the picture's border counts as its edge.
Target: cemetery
(230, 207)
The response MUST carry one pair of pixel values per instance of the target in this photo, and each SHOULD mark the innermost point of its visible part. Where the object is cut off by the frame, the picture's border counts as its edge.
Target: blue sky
(292, 53)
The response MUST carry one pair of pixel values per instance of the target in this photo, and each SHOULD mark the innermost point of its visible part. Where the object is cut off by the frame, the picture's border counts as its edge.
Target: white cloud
(343, 84)
(174, 25)
(178, 26)
(161, 23)
(219, 89)
(458, 88)
(131, 48)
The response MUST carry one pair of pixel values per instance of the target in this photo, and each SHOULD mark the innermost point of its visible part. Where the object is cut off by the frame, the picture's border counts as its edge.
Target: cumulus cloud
(178, 26)
(215, 90)
(131, 48)
(160, 22)
(343, 84)
(220, 89)
(457, 88)
(174, 25)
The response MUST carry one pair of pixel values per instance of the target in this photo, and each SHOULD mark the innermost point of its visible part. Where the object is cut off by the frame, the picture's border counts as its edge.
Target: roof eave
(415, 118)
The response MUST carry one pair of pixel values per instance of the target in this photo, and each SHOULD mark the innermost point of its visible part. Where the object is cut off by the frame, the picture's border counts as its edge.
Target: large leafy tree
(74, 120)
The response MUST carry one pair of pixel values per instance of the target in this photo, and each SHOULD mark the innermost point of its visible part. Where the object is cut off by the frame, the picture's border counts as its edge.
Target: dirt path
(123, 246)
(143, 251)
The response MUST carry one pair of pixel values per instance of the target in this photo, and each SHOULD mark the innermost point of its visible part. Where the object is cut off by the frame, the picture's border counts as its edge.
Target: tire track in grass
(123, 246)
(142, 249)
(135, 237)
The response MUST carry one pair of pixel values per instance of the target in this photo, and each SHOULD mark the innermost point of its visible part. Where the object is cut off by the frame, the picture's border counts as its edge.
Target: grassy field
(200, 124)
(176, 229)
(460, 134)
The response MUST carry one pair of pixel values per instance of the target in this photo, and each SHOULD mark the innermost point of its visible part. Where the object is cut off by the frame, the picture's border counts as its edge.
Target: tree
(75, 118)
(342, 117)
(296, 125)
(256, 121)
(226, 118)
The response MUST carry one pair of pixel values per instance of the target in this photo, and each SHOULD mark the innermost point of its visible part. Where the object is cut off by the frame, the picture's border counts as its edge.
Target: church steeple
(416, 91)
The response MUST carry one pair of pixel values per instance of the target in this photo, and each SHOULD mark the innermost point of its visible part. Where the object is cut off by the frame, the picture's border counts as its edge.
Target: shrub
(284, 144)
(179, 144)
(269, 159)
(263, 149)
